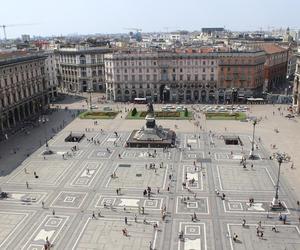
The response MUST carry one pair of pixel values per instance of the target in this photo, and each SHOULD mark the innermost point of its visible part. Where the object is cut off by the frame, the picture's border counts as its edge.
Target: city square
(150, 125)
(94, 197)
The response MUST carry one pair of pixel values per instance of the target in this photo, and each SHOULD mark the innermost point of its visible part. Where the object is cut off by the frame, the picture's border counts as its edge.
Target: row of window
(239, 84)
(148, 86)
(18, 69)
(82, 59)
(154, 63)
(181, 70)
(175, 77)
(14, 79)
(257, 67)
(16, 96)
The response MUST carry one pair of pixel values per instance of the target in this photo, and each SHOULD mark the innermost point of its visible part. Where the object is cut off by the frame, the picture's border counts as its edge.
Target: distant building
(184, 77)
(23, 88)
(288, 37)
(25, 38)
(296, 89)
(81, 69)
(211, 31)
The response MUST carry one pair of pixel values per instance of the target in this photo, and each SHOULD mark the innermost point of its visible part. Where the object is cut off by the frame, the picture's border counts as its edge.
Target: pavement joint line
(8, 240)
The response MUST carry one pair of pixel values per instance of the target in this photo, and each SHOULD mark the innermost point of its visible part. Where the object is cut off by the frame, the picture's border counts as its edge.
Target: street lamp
(251, 155)
(275, 202)
(232, 97)
(90, 92)
(44, 121)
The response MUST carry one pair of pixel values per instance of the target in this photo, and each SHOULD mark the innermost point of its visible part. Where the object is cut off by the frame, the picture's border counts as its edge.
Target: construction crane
(4, 26)
(136, 29)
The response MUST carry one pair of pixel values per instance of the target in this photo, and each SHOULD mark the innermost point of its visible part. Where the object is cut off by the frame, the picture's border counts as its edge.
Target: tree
(186, 113)
(133, 112)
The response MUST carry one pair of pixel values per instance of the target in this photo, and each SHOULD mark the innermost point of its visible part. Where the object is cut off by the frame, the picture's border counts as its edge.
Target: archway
(188, 96)
(203, 96)
(196, 95)
(211, 96)
(133, 94)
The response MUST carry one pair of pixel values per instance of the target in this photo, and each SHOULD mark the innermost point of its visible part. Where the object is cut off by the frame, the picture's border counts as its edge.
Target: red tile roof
(270, 48)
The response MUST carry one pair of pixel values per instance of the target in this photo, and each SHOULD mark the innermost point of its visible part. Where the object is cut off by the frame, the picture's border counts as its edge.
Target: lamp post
(251, 155)
(90, 92)
(44, 120)
(275, 202)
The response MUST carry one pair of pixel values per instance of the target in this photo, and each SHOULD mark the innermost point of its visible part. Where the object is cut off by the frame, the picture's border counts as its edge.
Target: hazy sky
(57, 17)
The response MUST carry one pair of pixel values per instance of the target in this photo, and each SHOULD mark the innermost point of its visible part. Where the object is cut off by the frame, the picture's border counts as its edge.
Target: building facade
(183, 77)
(23, 88)
(291, 64)
(50, 66)
(81, 69)
(296, 89)
(160, 76)
(275, 67)
(241, 75)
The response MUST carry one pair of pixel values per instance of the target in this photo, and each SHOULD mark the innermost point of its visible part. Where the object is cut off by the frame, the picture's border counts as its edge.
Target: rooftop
(18, 56)
(271, 48)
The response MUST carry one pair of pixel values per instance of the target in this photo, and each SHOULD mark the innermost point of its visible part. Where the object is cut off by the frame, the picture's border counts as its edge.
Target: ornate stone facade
(181, 77)
(23, 88)
(81, 69)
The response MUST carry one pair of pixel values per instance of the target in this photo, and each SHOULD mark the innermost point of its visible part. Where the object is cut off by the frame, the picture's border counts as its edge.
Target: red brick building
(241, 75)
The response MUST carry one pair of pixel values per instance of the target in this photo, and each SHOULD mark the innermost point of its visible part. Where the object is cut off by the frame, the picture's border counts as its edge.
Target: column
(14, 118)
(28, 109)
(1, 124)
(192, 95)
(18, 113)
(298, 104)
(23, 112)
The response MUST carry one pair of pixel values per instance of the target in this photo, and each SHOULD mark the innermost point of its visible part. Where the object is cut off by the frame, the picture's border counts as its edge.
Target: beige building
(51, 74)
(296, 89)
(160, 76)
(184, 77)
(23, 88)
(81, 69)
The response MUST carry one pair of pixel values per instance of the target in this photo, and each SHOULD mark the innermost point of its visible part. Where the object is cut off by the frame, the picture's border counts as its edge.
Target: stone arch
(203, 95)
(133, 94)
(196, 95)
(211, 96)
(188, 95)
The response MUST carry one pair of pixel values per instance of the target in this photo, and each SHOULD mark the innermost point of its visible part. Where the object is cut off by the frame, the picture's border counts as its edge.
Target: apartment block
(174, 76)
(81, 69)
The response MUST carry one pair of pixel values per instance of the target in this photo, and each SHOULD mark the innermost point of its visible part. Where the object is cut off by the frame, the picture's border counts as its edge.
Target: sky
(63, 17)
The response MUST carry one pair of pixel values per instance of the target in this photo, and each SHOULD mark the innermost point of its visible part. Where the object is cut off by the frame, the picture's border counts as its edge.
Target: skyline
(103, 17)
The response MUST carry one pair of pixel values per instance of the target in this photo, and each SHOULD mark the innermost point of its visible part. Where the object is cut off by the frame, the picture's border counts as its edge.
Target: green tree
(186, 113)
(133, 112)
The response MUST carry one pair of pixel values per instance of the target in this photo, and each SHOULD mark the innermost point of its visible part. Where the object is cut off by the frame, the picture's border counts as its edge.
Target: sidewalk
(15, 150)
